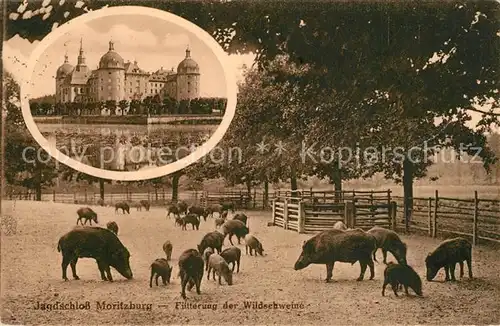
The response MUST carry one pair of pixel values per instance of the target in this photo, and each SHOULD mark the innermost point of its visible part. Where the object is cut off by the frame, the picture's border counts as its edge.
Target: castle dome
(65, 69)
(188, 65)
(111, 59)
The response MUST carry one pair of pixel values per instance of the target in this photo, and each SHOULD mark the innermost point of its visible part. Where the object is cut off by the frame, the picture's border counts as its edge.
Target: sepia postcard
(170, 162)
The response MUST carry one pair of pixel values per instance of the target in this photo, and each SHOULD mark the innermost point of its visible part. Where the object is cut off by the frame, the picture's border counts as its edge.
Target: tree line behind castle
(151, 105)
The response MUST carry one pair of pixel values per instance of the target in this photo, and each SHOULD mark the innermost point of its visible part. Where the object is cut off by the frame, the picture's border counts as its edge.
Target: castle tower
(111, 76)
(62, 94)
(188, 78)
(81, 58)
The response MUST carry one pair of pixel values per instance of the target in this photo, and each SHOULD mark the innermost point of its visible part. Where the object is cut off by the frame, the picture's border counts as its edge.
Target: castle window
(109, 73)
(102, 88)
(131, 90)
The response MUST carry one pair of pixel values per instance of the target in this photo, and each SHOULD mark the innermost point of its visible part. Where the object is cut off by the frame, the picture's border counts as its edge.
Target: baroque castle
(117, 80)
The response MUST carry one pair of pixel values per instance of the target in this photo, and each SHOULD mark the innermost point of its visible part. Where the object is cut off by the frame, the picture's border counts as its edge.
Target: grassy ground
(31, 274)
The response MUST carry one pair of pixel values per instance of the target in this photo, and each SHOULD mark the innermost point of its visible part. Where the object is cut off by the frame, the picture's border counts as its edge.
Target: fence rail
(478, 219)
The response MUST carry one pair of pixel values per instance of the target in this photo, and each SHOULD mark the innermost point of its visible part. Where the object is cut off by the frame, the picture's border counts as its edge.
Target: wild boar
(178, 221)
(213, 239)
(232, 255)
(98, 243)
(160, 267)
(227, 205)
(87, 214)
(235, 227)
(200, 211)
(447, 255)
(113, 227)
(145, 204)
(183, 206)
(123, 206)
(167, 249)
(219, 222)
(192, 219)
(397, 275)
(173, 209)
(190, 271)
(217, 208)
(252, 243)
(334, 245)
(389, 241)
(217, 264)
(241, 217)
(339, 225)
(206, 254)
(223, 215)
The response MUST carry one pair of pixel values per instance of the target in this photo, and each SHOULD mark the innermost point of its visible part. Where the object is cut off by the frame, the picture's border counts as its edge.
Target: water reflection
(126, 147)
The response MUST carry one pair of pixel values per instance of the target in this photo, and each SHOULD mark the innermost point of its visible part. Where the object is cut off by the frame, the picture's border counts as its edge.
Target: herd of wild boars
(341, 244)
(338, 244)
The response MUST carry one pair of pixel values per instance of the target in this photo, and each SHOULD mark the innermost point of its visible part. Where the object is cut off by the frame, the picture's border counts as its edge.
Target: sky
(153, 42)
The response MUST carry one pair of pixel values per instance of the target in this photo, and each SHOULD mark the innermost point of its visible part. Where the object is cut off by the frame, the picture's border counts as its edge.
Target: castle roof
(111, 59)
(188, 65)
(65, 69)
(133, 68)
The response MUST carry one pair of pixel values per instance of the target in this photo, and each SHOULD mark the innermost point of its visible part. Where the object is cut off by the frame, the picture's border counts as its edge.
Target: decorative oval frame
(200, 152)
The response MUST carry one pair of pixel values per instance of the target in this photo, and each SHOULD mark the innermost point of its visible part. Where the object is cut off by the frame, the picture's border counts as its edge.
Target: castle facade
(115, 79)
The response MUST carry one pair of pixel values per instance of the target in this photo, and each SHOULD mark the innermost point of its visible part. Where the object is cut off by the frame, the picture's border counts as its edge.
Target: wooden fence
(478, 219)
(304, 215)
(157, 197)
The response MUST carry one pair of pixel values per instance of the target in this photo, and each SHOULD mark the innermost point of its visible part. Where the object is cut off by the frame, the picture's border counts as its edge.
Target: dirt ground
(31, 275)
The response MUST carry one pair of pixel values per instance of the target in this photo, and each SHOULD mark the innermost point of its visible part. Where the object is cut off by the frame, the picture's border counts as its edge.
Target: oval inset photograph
(128, 93)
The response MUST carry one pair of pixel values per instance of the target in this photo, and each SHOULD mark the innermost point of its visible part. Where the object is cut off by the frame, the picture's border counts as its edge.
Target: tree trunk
(175, 186)
(248, 183)
(266, 193)
(38, 182)
(337, 182)
(408, 190)
(101, 188)
(293, 181)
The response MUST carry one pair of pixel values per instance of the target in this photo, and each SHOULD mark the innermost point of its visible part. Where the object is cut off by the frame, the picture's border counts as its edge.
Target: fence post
(254, 199)
(54, 196)
(434, 221)
(74, 197)
(285, 214)
(85, 190)
(274, 210)
(429, 213)
(476, 216)
(349, 214)
(393, 209)
(302, 217)
(371, 207)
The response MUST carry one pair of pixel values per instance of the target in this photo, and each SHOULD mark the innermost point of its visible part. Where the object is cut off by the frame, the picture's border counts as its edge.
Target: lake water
(126, 147)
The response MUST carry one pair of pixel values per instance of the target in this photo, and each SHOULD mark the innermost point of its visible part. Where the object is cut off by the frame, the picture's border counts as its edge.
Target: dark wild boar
(178, 221)
(389, 241)
(339, 225)
(98, 243)
(227, 205)
(252, 243)
(334, 245)
(123, 206)
(447, 255)
(190, 271)
(113, 227)
(235, 227)
(192, 219)
(219, 222)
(183, 206)
(217, 264)
(200, 211)
(87, 214)
(160, 267)
(397, 275)
(241, 217)
(145, 204)
(232, 255)
(173, 209)
(216, 208)
(167, 249)
(213, 239)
